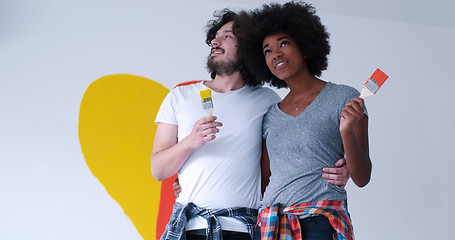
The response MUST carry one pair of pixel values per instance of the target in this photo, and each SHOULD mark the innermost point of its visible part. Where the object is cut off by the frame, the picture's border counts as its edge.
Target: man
(217, 157)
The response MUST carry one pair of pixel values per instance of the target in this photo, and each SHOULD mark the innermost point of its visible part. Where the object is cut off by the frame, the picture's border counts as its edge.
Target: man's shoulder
(186, 87)
(263, 90)
(267, 93)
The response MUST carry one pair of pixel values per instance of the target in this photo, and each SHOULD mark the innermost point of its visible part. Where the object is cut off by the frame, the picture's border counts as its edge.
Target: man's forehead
(225, 28)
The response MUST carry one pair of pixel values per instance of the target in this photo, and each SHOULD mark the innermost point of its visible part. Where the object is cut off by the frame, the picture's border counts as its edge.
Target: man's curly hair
(221, 18)
(298, 20)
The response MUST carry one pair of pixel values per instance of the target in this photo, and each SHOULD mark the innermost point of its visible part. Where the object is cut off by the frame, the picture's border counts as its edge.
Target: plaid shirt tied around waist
(175, 229)
(282, 222)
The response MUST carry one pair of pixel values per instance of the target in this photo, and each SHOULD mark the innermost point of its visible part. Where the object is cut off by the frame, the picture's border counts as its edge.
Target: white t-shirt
(224, 172)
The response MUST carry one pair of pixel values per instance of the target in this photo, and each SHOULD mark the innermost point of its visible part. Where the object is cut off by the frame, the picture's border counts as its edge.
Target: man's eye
(228, 36)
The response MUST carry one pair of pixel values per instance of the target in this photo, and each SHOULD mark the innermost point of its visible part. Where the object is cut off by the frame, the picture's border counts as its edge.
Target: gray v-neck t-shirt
(299, 147)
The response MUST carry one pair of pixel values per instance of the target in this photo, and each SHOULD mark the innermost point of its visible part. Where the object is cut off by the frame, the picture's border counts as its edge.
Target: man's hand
(203, 131)
(339, 175)
(177, 187)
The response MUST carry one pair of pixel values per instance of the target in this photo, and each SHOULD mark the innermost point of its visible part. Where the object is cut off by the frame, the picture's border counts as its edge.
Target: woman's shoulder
(342, 89)
(273, 111)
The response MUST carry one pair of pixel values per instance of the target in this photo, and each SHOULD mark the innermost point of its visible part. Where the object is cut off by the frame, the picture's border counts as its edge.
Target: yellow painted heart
(116, 131)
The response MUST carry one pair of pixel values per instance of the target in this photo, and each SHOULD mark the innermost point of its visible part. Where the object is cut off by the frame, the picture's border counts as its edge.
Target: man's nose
(215, 42)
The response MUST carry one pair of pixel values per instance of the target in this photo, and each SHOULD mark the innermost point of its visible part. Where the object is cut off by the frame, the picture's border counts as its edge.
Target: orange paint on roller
(372, 85)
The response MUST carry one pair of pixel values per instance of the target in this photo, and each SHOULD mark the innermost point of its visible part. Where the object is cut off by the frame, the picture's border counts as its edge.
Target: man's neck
(226, 83)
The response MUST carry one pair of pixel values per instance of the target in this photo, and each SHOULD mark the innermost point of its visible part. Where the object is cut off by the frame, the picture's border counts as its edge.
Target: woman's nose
(277, 54)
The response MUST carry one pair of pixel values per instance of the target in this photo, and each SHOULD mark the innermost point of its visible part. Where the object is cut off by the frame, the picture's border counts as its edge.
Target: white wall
(50, 51)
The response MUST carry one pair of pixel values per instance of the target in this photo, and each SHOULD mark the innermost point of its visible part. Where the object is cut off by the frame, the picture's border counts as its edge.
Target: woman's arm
(337, 176)
(265, 168)
(354, 133)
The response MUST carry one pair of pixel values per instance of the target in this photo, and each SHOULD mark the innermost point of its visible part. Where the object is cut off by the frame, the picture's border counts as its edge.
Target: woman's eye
(267, 52)
(228, 36)
(284, 43)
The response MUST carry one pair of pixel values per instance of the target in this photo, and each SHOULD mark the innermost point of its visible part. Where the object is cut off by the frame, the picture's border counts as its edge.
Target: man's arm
(169, 155)
(338, 175)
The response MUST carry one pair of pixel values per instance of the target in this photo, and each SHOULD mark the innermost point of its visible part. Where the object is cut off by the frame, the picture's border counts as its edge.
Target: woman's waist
(305, 189)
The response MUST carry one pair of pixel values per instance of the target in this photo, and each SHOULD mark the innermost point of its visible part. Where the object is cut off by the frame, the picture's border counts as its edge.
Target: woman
(316, 124)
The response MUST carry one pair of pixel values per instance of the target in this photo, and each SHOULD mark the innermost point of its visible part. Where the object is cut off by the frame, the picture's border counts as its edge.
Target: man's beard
(222, 67)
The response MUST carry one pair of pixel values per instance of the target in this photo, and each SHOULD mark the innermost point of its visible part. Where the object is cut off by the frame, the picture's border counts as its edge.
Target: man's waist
(227, 223)
(226, 233)
(239, 219)
(203, 211)
(225, 203)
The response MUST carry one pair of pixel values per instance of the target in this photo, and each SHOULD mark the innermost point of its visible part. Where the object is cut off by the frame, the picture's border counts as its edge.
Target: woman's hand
(351, 114)
(177, 188)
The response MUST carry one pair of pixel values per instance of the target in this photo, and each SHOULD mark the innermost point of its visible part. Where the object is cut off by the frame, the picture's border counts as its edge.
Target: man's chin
(221, 66)
(214, 57)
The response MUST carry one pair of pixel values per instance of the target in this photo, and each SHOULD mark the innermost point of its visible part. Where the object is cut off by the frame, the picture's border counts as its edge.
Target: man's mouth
(217, 50)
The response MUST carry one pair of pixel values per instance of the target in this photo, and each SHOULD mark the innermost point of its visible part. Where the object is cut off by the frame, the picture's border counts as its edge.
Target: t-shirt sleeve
(274, 97)
(166, 113)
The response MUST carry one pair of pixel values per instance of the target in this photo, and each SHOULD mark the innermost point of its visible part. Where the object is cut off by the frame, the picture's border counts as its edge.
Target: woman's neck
(302, 84)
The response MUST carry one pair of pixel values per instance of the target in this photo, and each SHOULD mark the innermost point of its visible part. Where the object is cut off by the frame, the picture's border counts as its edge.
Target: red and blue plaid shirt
(282, 222)
(175, 228)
